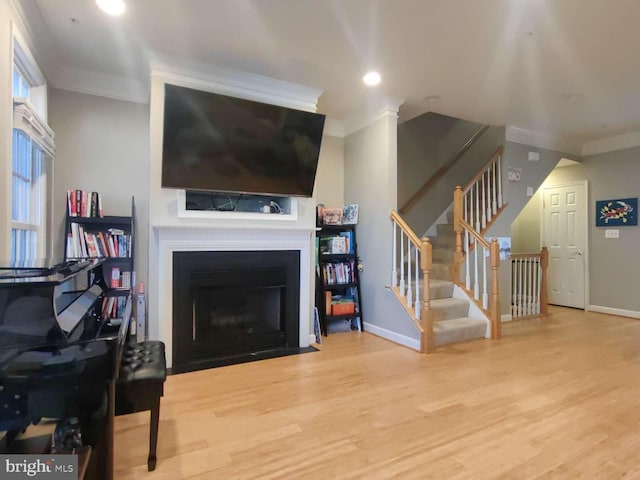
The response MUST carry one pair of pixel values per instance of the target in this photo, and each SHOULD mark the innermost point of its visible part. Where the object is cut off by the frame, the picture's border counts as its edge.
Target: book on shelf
(82, 203)
(115, 277)
(338, 245)
(113, 307)
(335, 273)
(84, 244)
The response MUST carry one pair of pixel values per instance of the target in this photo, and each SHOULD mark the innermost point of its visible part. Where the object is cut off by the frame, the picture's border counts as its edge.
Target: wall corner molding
(541, 140)
(610, 144)
(382, 107)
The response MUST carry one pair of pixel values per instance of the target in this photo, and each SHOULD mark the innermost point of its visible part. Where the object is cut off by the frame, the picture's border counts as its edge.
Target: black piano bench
(140, 385)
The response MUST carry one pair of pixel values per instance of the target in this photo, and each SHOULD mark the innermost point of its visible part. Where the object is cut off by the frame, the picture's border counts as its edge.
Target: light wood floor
(556, 398)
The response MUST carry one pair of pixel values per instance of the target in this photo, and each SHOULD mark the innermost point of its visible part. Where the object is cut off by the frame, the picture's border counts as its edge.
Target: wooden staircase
(460, 304)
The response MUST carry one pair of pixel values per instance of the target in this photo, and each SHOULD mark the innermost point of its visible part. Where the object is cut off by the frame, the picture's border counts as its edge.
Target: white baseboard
(312, 339)
(614, 311)
(507, 317)
(392, 336)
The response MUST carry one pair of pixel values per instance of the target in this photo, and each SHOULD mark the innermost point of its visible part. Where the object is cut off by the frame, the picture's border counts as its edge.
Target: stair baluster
(417, 307)
(500, 203)
(394, 258)
(494, 190)
(528, 284)
(402, 284)
(484, 200)
(415, 299)
(409, 277)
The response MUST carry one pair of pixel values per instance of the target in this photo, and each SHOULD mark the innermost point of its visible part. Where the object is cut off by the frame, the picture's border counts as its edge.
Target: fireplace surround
(231, 306)
(234, 237)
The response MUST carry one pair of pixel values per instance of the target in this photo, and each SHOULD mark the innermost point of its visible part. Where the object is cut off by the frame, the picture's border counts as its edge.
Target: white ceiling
(562, 68)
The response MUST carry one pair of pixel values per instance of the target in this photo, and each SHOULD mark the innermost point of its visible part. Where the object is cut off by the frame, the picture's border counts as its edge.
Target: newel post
(496, 324)
(544, 296)
(426, 342)
(458, 201)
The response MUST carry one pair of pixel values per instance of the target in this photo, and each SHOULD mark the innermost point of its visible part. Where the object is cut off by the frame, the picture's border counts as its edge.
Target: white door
(564, 232)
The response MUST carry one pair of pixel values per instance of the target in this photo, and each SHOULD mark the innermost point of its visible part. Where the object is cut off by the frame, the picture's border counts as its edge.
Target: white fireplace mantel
(170, 239)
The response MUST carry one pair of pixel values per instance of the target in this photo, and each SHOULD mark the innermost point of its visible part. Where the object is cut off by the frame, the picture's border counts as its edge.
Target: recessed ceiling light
(371, 79)
(112, 7)
(432, 98)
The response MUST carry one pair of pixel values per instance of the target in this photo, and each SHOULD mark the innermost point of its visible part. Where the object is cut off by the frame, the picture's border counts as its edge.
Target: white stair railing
(479, 257)
(529, 284)
(483, 195)
(410, 271)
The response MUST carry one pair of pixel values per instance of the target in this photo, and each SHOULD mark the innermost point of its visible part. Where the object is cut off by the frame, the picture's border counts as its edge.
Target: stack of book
(113, 307)
(81, 203)
(338, 272)
(112, 243)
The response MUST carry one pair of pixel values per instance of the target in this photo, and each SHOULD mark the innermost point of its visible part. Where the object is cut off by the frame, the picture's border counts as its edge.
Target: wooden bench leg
(153, 434)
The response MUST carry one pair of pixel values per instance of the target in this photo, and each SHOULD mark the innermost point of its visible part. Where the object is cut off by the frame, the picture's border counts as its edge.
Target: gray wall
(102, 145)
(329, 186)
(424, 144)
(612, 262)
(532, 174)
(370, 181)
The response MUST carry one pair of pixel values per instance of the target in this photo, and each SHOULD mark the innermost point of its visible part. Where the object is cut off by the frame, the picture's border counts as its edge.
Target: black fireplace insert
(234, 306)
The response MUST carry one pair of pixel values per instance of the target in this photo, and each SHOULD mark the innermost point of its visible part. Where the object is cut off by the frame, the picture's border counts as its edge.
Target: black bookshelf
(338, 280)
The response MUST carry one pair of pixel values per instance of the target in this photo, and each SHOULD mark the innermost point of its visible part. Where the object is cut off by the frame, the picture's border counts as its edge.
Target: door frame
(585, 219)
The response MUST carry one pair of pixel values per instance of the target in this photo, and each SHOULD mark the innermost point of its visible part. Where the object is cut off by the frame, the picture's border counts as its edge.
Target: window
(32, 156)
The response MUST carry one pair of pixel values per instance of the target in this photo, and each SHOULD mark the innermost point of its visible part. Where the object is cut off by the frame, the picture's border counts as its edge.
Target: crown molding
(237, 83)
(610, 144)
(102, 85)
(380, 108)
(541, 140)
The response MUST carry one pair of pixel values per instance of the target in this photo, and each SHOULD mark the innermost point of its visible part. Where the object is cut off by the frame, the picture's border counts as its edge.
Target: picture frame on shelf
(332, 216)
(350, 214)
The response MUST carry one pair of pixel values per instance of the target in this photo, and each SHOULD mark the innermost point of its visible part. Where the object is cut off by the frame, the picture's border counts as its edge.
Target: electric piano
(60, 351)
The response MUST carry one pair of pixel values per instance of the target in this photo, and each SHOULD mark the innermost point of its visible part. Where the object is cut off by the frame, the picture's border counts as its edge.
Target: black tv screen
(219, 143)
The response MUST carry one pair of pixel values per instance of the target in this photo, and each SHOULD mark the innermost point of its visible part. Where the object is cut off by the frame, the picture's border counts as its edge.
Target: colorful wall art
(621, 212)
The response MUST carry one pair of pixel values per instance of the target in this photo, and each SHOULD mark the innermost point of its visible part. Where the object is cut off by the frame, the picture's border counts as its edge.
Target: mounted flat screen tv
(214, 142)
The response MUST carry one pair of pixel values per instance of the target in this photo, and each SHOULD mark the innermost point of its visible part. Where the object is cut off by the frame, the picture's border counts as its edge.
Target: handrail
(405, 284)
(496, 154)
(406, 228)
(441, 171)
(526, 255)
(492, 306)
(475, 234)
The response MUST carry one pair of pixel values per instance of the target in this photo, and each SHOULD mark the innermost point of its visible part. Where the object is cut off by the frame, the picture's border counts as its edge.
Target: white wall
(371, 181)
(329, 186)
(6, 15)
(102, 145)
